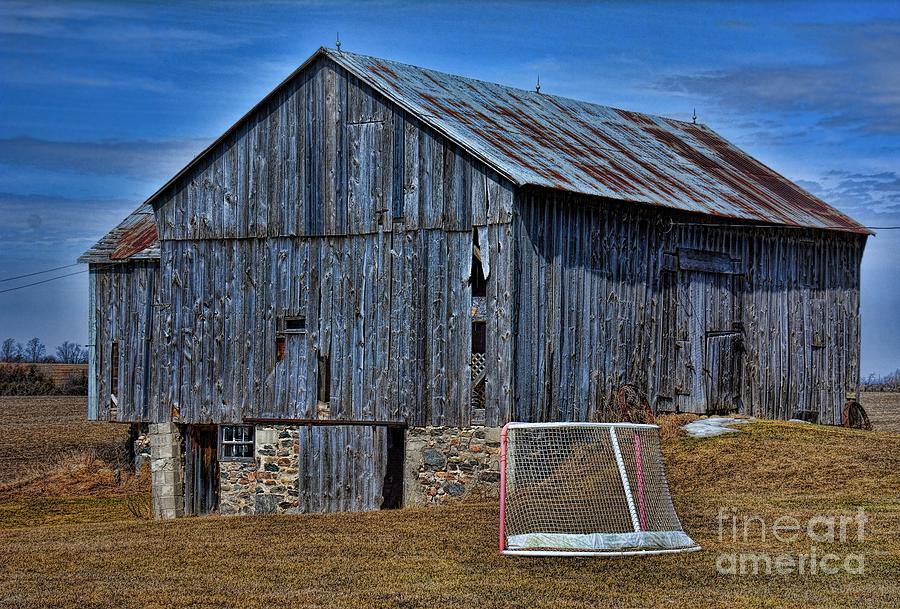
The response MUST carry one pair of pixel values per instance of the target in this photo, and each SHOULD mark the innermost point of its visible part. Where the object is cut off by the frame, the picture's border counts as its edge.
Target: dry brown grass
(77, 474)
(57, 468)
(883, 409)
(447, 557)
(670, 425)
(38, 431)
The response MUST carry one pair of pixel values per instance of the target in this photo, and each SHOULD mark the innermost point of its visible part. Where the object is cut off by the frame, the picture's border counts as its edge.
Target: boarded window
(236, 443)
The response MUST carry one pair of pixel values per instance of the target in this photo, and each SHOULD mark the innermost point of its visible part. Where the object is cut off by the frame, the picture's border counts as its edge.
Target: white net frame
(586, 489)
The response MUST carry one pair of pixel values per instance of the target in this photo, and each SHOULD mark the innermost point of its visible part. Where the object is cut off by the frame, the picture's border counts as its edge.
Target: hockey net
(586, 489)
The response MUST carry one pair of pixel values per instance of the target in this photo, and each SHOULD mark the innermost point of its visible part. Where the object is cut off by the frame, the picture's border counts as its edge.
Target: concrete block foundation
(166, 470)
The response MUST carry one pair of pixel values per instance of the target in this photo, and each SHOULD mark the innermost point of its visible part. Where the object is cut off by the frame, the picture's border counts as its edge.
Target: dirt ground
(883, 409)
(78, 551)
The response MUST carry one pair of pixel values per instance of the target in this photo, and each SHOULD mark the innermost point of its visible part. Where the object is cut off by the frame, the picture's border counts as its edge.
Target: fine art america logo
(816, 536)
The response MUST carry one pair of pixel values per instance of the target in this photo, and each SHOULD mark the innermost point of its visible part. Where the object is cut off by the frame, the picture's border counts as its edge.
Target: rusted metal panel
(134, 238)
(543, 140)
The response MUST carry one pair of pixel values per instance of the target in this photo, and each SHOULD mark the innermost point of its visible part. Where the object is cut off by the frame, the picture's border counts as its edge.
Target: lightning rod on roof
(337, 43)
(694, 117)
(537, 87)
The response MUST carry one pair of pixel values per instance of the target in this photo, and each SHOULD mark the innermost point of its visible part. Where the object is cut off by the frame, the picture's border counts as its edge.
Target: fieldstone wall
(268, 484)
(448, 463)
(166, 470)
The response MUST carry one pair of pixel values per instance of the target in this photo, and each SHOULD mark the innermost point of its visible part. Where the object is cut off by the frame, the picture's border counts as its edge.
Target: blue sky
(100, 103)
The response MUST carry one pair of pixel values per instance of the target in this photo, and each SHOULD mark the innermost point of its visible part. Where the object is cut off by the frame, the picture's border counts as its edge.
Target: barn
(339, 302)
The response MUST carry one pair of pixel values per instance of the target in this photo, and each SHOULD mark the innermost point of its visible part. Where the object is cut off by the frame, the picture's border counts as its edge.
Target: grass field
(883, 409)
(80, 551)
(39, 429)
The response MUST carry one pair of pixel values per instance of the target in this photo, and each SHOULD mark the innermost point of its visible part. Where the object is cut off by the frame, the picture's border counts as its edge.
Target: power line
(28, 285)
(40, 272)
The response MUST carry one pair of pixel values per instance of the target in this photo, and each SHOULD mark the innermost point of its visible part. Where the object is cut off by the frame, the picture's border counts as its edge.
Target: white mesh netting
(593, 488)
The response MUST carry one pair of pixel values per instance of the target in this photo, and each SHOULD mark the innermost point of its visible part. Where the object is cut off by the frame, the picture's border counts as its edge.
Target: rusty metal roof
(576, 146)
(134, 238)
(555, 142)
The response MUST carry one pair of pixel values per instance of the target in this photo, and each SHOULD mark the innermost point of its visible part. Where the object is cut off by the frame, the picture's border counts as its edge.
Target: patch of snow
(713, 426)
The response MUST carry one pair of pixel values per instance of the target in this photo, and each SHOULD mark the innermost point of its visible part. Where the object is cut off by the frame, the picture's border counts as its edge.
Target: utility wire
(40, 272)
(28, 285)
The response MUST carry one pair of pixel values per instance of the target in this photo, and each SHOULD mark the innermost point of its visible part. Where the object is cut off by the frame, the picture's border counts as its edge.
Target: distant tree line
(888, 382)
(35, 352)
(28, 380)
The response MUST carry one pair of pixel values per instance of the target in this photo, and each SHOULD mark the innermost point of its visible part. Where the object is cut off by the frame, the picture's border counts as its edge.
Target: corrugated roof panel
(134, 238)
(555, 142)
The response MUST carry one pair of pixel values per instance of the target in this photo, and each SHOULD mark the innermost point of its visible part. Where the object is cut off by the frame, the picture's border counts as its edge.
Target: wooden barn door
(201, 470)
(702, 333)
(349, 468)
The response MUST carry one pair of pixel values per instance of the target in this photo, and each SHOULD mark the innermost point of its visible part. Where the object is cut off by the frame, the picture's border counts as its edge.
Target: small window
(236, 443)
(294, 325)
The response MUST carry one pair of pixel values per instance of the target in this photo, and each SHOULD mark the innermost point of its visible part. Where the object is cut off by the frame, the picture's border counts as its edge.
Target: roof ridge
(331, 52)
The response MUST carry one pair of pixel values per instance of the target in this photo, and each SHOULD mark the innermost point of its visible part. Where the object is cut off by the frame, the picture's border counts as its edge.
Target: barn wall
(331, 203)
(329, 156)
(598, 291)
(123, 311)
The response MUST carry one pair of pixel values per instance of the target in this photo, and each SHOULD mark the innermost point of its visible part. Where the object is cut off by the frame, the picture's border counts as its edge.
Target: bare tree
(35, 351)
(70, 353)
(10, 351)
(888, 382)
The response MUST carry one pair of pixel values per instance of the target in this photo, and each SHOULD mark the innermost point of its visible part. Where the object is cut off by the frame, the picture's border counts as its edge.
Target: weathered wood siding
(341, 467)
(123, 303)
(333, 204)
(329, 156)
(608, 294)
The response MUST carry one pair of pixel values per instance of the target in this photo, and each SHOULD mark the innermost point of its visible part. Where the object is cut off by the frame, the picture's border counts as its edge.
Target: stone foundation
(442, 464)
(449, 463)
(166, 470)
(269, 483)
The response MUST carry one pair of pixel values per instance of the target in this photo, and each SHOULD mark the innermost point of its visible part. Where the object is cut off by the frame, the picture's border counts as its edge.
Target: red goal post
(586, 489)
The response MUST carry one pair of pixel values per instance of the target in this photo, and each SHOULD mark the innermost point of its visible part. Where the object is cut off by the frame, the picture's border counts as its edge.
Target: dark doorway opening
(392, 489)
(201, 470)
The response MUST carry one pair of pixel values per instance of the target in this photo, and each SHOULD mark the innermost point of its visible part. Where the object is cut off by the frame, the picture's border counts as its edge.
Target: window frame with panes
(237, 443)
